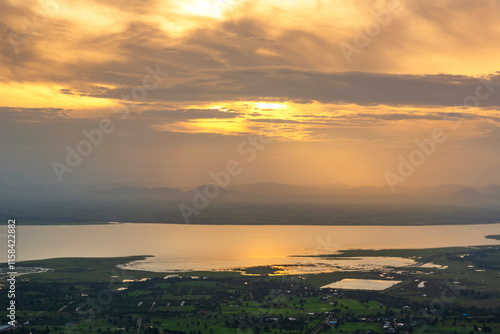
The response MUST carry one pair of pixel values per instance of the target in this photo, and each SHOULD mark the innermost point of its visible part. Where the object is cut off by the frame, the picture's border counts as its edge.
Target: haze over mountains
(259, 192)
(258, 203)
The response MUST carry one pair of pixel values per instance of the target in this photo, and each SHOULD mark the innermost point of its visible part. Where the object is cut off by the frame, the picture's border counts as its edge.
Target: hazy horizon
(143, 185)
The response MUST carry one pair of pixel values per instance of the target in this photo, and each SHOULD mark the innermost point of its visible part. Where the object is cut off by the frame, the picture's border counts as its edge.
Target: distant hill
(491, 190)
(272, 188)
(251, 204)
(130, 193)
(266, 192)
(467, 194)
(444, 189)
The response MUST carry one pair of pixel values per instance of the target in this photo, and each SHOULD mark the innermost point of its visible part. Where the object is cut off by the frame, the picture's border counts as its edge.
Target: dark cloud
(347, 87)
(187, 114)
(148, 116)
(31, 114)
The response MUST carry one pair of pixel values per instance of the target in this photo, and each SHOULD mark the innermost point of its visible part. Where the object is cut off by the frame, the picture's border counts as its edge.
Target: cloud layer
(238, 68)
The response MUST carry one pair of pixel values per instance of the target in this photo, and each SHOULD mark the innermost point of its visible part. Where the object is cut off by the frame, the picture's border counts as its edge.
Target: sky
(318, 92)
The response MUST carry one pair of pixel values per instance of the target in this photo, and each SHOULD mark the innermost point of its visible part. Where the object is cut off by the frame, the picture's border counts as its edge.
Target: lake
(216, 247)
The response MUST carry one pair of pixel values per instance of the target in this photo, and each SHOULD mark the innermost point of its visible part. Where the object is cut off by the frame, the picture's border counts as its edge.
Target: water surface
(206, 247)
(361, 284)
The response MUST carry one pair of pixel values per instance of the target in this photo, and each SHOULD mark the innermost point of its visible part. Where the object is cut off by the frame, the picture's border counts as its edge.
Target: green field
(91, 295)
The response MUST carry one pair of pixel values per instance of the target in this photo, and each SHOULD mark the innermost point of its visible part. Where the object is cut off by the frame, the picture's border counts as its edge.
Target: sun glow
(266, 105)
(209, 8)
(40, 96)
(223, 127)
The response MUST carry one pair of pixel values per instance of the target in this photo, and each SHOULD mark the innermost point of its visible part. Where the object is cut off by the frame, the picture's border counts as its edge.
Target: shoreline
(423, 255)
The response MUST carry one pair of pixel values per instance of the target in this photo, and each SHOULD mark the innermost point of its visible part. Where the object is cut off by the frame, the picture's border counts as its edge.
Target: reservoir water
(215, 247)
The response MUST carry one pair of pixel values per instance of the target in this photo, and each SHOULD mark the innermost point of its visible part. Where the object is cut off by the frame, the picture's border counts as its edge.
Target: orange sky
(344, 87)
